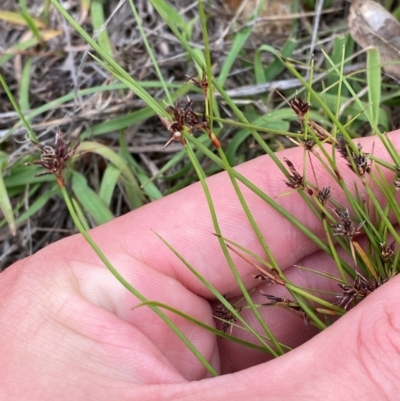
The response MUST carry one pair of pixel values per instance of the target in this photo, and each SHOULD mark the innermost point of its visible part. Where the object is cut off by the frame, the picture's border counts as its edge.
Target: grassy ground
(59, 86)
(116, 78)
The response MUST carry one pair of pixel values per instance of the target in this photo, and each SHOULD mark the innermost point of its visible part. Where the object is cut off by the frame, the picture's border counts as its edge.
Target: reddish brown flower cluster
(324, 194)
(185, 117)
(346, 227)
(53, 159)
(387, 251)
(301, 108)
(224, 314)
(356, 292)
(200, 83)
(360, 161)
(296, 181)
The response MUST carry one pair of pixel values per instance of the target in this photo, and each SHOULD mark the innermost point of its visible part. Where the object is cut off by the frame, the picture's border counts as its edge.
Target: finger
(183, 219)
(66, 340)
(73, 296)
(355, 359)
(288, 326)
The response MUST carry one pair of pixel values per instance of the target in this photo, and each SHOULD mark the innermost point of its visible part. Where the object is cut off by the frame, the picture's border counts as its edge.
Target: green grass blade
(237, 45)
(16, 107)
(150, 52)
(374, 75)
(21, 176)
(80, 214)
(30, 21)
(118, 162)
(206, 327)
(200, 174)
(109, 181)
(269, 73)
(148, 187)
(219, 296)
(5, 204)
(110, 64)
(98, 20)
(24, 87)
(90, 200)
(37, 205)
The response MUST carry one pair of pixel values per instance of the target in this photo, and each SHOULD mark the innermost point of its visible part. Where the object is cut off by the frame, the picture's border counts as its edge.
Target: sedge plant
(325, 137)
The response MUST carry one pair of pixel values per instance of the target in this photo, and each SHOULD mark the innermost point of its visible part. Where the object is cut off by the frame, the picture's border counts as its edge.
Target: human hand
(69, 331)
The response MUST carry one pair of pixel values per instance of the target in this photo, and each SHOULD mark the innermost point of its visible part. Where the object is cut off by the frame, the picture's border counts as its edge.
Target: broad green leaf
(267, 74)
(118, 162)
(90, 201)
(5, 204)
(98, 20)
(237, 45)
(25, 175)
(24, 88)
(374, 74)
(108, 183)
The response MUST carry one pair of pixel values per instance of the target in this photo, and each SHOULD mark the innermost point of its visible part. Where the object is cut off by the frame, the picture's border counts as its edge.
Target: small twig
(317, 20)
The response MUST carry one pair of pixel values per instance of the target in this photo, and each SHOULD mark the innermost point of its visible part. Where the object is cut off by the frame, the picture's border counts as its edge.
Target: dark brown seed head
(223, 313)
(387, 251)
(324, 195)
(200, 83)
(309, 144)
(296, 180)
(357, 291)
(341, 146)
(181, 117)
(360, 160)
(53, 159)
(300, 107)
(346, 227)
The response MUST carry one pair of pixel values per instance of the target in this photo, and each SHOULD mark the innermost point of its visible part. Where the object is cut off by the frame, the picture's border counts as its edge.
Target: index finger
(184, 220)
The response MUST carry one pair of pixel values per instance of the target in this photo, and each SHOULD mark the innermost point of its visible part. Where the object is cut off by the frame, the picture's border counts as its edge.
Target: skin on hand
(69, 331)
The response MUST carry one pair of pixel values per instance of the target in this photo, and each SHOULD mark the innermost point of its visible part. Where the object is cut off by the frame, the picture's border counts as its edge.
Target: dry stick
(317, 20)
(231, 22)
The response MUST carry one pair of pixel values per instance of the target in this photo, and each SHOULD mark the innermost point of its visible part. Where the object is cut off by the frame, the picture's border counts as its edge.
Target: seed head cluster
(360, 160)
(186, 117)
(53, 159)
(357, 291)
(346, 227)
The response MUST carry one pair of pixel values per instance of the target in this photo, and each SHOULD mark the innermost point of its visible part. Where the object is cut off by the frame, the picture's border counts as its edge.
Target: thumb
(357, 358)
